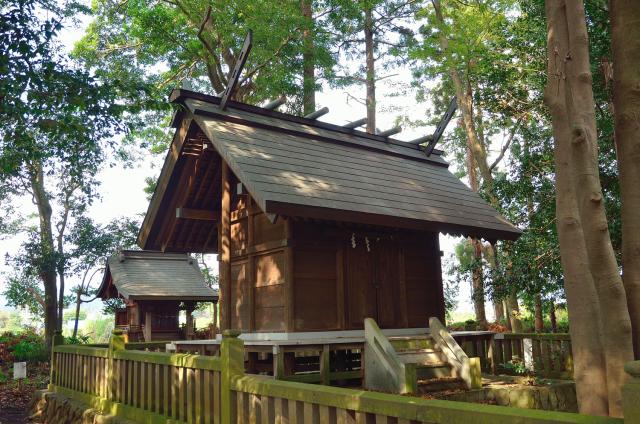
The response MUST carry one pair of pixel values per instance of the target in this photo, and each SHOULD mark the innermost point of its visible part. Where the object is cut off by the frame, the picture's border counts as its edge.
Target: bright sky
(122, 188)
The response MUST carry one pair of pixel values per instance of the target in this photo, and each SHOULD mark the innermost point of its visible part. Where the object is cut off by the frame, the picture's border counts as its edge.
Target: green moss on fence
(232, 383)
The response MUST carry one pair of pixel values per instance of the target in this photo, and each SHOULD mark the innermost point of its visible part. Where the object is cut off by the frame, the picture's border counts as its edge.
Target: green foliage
(31, 351)
(51, 110)
(515, 366)
(25, 291)
(77, 340)
(152, 47)
(57, 128)
(24, 346)
(97, 330)
(392, 35)
(70, 314)
(110, 306)
(562, 321)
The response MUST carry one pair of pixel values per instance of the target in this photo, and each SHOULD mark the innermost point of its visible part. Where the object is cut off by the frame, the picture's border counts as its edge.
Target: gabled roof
(299, 167)
(143, 275)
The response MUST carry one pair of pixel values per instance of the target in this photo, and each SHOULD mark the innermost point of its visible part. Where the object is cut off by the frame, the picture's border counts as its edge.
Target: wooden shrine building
(317, 226)
(155, 286)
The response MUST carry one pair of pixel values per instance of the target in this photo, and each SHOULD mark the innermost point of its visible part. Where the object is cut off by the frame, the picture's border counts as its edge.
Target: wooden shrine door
(372, 281)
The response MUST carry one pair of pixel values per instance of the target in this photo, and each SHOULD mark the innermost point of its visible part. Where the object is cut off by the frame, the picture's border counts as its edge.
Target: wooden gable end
(185, 209)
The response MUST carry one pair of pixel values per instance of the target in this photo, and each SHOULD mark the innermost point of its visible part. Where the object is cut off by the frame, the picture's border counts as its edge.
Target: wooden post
(250, 275)
(278, 363)
(224, 243)
(288, 279)
(325, 366)
(148, 317)
(232, 363)
(56, 341)
(116, 342)
(475, 373)
(190, 330)
(492, 355)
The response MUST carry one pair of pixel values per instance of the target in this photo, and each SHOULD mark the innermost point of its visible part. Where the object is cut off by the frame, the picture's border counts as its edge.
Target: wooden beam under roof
(186, 182)
(186, 126)
(199, 214)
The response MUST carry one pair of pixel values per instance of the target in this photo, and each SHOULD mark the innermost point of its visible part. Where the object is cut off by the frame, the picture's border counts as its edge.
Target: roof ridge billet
(381, 149)
(178, 95)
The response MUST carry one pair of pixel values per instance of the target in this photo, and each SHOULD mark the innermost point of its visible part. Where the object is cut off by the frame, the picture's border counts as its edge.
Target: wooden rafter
(197, 214)
(186, 182)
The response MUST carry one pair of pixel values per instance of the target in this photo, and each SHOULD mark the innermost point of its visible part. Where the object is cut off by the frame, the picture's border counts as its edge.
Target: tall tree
(308, 58)
(54, 129)
(90, 245)
(375, 33)
(625, 40)
(163, 43)
(581, 210)
(463, 43)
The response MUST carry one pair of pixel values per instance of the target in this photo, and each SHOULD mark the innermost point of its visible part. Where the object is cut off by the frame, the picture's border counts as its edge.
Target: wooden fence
(547, 355)
(140, 385)
(157, 387)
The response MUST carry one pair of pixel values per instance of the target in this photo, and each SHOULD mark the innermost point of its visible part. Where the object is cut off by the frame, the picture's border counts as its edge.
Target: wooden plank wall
(309, 276)
(424, 291)
(258, 268)
(396, 279)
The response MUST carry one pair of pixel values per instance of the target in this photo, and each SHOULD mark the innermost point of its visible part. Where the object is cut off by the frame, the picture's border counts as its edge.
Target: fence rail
(157, 387)
(548, 355)
(142, 385)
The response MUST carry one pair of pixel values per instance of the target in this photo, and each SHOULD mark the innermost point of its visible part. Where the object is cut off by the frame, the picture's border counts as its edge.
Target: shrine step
(412, 342)
(421, 356)
(440, 384)
(433, 370)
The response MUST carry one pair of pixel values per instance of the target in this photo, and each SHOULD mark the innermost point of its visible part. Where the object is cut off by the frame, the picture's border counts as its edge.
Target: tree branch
(505, 146)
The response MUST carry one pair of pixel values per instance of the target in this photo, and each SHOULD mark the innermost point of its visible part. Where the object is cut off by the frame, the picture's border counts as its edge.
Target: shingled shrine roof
(142, 275)
(300, 167)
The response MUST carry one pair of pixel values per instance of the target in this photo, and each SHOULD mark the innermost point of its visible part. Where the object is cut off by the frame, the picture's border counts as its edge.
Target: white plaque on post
(19, 370)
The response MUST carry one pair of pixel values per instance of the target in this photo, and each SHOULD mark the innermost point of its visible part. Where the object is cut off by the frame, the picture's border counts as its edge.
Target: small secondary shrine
(317, 226)
(155, 286)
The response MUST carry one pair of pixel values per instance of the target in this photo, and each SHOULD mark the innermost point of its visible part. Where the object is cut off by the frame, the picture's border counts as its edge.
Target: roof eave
(213, 298)
(316, 212)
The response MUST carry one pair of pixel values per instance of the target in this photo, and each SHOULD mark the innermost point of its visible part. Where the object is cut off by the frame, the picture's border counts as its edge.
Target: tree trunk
(498, 310)
(308, 59)
(77, 317)
(507, 320)
(47, 252)
(477, 294)
(478, 284)
(552, 317)
(464, 96)
(586, 178)
(60, 300)
(582, 299)
(371, 71)
(60, 259)
(537, 308)
(625, 40)
(513, 312)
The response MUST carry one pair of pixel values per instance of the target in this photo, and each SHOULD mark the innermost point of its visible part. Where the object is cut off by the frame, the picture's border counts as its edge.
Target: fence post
(631, 393)
(56, 341)
(117, 342)
(232, 363)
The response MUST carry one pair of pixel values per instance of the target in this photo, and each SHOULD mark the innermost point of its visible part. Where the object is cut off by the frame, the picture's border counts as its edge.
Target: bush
(30, 351)
(26, 346)
(78, 340)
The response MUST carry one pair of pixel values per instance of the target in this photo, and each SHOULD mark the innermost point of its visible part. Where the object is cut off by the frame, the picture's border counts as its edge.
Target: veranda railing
(155, 387)
(549, 354)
